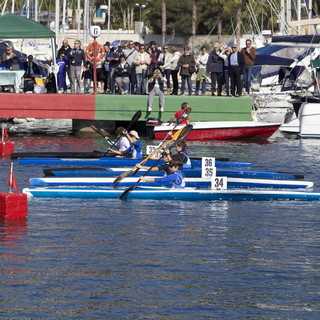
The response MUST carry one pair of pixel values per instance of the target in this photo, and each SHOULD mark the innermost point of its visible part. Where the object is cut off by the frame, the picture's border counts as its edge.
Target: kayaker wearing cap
(135, 149)
(175, 178)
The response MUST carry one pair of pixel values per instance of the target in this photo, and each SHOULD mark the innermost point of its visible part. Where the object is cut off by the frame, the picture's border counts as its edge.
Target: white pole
(282, 17)
(78, 19)
(4, 7)
(64, 5)
(109, 9)
(57, 20)
(28, 9)
(35, 10)
(12, 7)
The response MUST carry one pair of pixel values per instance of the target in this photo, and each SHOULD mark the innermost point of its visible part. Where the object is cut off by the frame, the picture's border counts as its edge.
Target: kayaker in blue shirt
(181, 155)
(135, 149)
(176, 177)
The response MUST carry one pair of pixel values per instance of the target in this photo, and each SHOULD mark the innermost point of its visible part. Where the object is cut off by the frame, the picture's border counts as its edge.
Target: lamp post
(140, 6)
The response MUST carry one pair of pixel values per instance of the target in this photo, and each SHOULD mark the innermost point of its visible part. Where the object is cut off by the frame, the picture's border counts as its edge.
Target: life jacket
(179, 183)
(187, 164)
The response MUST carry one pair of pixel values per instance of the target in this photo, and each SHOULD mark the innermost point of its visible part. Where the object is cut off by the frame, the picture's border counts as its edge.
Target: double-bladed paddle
(134, 119)
(99, 131)
(181, 135)
(163, 146)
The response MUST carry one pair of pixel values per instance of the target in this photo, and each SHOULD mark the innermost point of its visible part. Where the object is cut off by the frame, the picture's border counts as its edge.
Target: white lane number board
(219, 183)
(150, 149)
(208, 168)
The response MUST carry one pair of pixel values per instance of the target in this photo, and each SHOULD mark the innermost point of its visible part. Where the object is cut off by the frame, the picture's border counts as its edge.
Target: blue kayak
(116, 162)
(190, 173)
(189, 194)
(190, 182)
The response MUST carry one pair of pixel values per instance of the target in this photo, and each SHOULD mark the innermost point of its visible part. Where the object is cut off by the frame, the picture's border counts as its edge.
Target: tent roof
(17, 27)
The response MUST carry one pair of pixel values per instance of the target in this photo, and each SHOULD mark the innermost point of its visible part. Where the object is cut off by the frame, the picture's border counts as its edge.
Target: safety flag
(12, 180)
(4, 132)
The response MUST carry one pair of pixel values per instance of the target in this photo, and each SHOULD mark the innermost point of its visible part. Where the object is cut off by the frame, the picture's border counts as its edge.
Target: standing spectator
(201, 62)
(142, 61)
(155, 88)
(77, 60)
(130, 54)
(215, 69)
(236, 65)
(31, 68)
(106, 65)
(226, 78)
(185, 62)
(87, 76)
(153, 59)
(122, 75)
(3, 65)
(62, 72)
(165, 66)
(174, 70)
(114, 56)
(66, 50)
(249, 53)
(154, 49)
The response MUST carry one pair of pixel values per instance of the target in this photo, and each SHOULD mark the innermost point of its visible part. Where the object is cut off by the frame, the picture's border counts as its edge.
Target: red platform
(6, 148)
(13, 205)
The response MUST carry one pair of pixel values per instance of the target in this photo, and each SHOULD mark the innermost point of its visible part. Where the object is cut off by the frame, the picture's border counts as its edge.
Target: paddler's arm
(146, 167)
(147, 179)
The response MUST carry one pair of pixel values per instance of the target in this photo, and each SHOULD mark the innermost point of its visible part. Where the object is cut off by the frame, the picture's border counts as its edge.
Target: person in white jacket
(175, 70)
(164, 64)
(201, 63)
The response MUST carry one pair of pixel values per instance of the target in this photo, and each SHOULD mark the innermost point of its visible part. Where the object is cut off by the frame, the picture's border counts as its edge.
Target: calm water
(112, 259)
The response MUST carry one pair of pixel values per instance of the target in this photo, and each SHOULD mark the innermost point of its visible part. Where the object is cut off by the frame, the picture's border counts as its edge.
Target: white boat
(281, 69)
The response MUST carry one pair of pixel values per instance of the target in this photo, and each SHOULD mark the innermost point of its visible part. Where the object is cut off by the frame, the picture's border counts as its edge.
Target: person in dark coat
(215, 69)
(31, 68)
(236, 67)
(185, 62)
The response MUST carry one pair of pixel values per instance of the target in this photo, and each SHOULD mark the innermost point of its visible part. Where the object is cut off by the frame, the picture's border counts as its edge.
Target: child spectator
(87, 77)
(62, 72)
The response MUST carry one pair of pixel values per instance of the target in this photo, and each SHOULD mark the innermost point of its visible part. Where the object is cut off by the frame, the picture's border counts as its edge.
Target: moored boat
(222, 130)
(190, 182)
(188, 194)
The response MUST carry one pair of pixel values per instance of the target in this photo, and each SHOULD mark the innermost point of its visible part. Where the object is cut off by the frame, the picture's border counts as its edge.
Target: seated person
(179, 113)
(8, 55)
(135, 149)
(155, 88)
(175, 177)
(122, 75)
(31, 68)
(16, 64)
(166, 157)
(3, 65)
(181, 155)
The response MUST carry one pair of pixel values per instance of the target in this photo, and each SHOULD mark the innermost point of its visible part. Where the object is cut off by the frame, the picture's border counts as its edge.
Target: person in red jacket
(179, 113)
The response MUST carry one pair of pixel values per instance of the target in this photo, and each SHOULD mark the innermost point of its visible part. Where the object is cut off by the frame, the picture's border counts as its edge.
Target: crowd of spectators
(126, 69)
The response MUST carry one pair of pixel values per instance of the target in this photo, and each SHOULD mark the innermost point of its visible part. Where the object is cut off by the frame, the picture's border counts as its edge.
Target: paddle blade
(121, 176)
(185, 131)
(136, 116)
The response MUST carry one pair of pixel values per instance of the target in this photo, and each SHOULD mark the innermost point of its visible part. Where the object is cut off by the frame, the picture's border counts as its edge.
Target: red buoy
(6, 148)
(13, 205)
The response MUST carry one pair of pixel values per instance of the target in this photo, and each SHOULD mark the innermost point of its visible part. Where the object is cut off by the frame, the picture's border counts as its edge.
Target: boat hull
(309, 116)
(190, 182)
(191, 173)
(115, 162)
(175, 194)
(225, 130)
